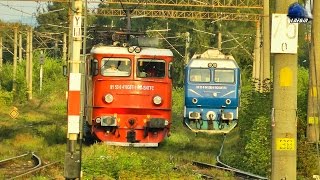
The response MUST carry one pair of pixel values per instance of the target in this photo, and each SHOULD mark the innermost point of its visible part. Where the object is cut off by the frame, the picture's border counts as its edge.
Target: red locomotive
(129, 94)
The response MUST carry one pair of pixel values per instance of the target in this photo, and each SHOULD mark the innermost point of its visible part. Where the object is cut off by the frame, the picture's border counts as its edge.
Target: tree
(53, 22)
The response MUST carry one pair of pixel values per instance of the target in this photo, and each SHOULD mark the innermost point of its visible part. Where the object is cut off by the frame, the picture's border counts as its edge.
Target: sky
(22, 11)
(19, 11)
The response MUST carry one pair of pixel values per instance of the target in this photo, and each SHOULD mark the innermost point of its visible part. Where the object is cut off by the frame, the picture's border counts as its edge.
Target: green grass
(42, 128)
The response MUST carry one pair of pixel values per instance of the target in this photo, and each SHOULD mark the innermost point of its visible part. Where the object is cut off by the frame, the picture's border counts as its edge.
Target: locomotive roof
(124, 50)
(213, 56)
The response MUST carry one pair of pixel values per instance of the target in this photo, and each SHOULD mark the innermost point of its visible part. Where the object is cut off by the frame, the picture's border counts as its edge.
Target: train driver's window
(224, 75)
(199, 75)
(150, 68)
(115, 67)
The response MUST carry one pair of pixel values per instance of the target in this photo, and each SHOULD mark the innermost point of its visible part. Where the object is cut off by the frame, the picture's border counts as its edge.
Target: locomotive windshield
(224, 75)
(149, 68)
(115, 67)
(199, 75)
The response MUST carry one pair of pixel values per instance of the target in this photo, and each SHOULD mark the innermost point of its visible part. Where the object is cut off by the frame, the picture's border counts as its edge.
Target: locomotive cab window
(224, 75)
(199, 75)
(150, 68)
(115, 67)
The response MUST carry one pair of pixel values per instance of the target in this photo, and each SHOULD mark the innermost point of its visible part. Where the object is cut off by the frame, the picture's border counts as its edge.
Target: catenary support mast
(284, 116)
(266, 47)
(314, 84)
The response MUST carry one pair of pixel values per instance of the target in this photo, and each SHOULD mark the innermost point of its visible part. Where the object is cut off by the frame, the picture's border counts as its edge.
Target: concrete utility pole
(64, 49)
(284, 113)
(83, 74)
(20, 47)
(266, 48)
(72, 168)
(186, 53)
(27, 62)
(314, 73)
(219, 41)
(15, 51)
(257, 58)
(41, 69)
(261, 68)
(30, 63)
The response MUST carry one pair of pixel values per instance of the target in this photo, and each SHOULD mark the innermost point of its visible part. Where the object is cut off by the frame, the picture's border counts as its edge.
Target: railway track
(239, 174)
(18, 166)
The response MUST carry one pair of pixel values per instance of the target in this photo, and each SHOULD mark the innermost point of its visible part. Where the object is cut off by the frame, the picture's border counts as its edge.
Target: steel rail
(13, 158)
(35, 158)
(223, 166)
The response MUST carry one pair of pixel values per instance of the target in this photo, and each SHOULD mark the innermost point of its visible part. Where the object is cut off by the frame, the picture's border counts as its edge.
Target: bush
(255, 130)
(178, 103)
(53, 81)
(6, 97)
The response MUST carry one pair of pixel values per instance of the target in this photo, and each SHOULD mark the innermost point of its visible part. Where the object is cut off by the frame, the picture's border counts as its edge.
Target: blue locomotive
(212, 92)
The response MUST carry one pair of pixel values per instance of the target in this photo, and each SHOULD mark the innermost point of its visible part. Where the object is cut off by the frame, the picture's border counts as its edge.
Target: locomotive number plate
(285, 144)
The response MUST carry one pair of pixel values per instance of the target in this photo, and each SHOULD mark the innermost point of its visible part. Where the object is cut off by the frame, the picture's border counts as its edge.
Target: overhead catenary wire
(7, 49)
(16, 9)
(170, 44)
(231, 34)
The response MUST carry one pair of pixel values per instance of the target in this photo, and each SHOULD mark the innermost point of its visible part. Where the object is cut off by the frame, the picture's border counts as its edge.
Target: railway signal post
(72, 166)
(284, 112)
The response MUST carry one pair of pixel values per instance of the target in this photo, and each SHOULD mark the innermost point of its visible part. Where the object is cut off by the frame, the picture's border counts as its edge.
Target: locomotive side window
(115, 67)
(147, 68)
(224, 75)
(199, 75)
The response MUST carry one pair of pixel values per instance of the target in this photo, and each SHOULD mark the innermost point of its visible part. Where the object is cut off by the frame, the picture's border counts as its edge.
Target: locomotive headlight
(137, 49)
(157, 100)
(194, 100)
(131, 49)
(98, 120)
(108, 98)
(228, 101)
(166, 123)
(211, 115)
